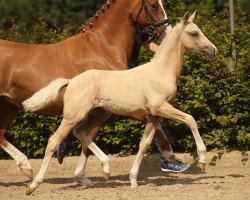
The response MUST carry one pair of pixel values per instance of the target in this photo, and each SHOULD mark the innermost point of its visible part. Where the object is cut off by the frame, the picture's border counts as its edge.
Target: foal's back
(122, 92)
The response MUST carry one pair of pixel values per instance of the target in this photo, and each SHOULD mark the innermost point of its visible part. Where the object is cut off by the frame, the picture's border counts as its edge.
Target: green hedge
(215, 94)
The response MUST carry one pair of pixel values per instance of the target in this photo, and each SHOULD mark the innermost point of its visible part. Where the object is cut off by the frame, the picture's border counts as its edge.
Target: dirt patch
(227, 177)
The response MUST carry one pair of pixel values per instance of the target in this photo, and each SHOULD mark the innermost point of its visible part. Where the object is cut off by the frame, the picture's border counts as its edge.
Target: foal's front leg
(151, 126)
(168, 111)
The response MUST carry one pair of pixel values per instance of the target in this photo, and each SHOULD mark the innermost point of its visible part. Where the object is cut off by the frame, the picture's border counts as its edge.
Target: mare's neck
(114, 27)
(169, 57)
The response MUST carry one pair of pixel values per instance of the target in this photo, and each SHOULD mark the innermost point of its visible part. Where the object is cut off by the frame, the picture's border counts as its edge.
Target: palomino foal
(152, 94)
(105, 43)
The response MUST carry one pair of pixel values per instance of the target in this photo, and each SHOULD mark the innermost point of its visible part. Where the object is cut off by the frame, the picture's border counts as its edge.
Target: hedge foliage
(215, 93)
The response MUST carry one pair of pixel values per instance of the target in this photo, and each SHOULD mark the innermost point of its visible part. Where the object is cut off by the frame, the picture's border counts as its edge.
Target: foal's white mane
(169, 42)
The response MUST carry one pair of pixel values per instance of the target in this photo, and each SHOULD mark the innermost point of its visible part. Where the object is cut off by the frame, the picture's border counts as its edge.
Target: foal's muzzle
(211, 51)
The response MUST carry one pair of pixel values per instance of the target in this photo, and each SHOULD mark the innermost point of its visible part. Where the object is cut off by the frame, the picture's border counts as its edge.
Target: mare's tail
(44, 96)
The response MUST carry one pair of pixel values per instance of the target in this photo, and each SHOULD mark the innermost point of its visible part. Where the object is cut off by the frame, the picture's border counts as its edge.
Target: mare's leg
(8, 113)
(151, 126)
(168, 111)
(95, 119)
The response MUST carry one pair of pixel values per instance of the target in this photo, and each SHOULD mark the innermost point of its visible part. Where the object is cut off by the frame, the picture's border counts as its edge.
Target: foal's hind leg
(168, 111)
(70, 120)
(8, 113)
(81, 133)
(95, 119)
(151, 126)
(54, 141)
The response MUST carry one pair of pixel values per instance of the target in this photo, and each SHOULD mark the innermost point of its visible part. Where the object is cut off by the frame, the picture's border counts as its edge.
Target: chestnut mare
(106, 43)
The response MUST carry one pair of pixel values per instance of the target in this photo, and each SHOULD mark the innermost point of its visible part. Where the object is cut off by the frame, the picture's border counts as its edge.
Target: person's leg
(64, 146)
(169, 162)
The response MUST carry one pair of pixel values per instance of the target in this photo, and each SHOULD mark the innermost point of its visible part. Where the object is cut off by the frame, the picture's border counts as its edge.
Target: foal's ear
(185, 18)
(191, 18)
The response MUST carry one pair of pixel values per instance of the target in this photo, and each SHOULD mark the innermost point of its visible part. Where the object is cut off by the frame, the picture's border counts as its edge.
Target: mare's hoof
(27, 172)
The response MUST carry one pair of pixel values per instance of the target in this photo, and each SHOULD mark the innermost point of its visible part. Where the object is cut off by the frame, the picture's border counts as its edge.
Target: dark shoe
(179, 166)
(64, 146)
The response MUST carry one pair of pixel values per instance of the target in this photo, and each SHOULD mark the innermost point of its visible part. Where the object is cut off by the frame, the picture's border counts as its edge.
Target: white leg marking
(21, 159)
(80, 171)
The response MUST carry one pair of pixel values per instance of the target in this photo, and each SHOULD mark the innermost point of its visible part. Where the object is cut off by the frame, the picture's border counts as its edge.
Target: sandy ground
(227, 177)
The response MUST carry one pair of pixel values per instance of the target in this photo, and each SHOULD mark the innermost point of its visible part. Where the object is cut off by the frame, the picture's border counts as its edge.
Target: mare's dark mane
(93, 19)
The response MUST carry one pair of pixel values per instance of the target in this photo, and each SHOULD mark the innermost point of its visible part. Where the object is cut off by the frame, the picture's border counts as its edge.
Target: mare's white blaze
(168, 27)
(165, 15)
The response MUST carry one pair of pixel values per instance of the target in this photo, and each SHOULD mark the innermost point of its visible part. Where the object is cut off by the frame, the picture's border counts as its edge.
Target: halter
(146, 34)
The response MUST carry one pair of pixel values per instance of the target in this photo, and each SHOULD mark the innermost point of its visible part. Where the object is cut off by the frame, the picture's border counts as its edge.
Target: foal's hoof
(29, 190)
(133, 184)
(105, 170)
(105, 175)
(27, 172)
(202, 166)
(133, 181)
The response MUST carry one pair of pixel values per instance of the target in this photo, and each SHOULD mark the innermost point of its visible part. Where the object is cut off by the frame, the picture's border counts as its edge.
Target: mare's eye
(154, 6)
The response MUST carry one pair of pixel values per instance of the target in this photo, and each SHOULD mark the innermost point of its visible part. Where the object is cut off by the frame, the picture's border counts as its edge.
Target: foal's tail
(44, 96)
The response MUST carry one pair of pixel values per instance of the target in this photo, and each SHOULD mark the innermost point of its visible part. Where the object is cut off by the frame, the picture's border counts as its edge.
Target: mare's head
(149, 15)
(193, 39)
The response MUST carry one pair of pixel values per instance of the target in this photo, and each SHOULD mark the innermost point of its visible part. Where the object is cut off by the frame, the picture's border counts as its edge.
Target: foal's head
(193, 39)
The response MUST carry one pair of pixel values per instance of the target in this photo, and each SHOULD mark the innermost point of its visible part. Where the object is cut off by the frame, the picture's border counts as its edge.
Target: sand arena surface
(227, 177)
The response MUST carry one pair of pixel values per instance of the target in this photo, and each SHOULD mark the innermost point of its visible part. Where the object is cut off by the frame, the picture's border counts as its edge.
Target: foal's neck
(169, 57)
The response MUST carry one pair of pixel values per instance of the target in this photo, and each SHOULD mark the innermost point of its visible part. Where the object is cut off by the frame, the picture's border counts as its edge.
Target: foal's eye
(194, 34)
